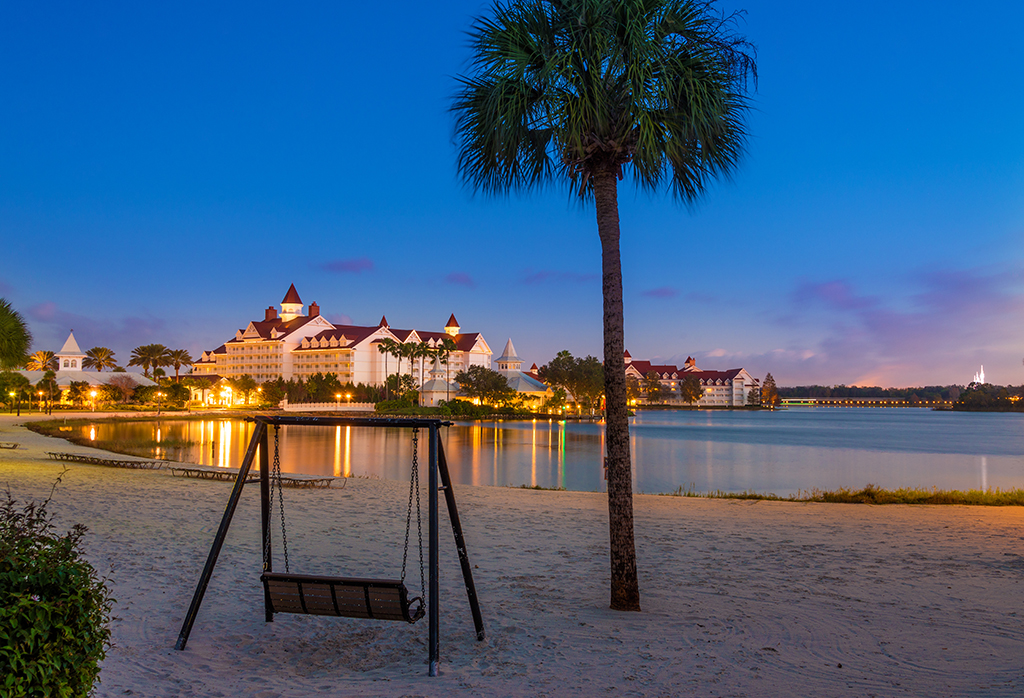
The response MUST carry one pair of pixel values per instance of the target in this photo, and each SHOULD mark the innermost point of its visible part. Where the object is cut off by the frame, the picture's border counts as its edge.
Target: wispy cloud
(531, 277)
(837, 294)
(661, 292)
(459, 278)
(348, 266)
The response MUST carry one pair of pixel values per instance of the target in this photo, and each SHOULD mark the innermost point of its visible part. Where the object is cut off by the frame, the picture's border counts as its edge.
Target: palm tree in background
(15, 339)
(387, 348)
(581, 92)
(443, 351)
(99, 358)
(178, 358)
(42, 361)
(422, 351)
(149, 356)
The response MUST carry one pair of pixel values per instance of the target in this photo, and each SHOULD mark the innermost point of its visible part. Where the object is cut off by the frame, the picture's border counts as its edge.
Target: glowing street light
(348, 396)
(337, 400)
(92, 394)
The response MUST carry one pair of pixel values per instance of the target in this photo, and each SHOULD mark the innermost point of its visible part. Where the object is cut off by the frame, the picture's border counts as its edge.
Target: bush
(54, 609)
(464, 408)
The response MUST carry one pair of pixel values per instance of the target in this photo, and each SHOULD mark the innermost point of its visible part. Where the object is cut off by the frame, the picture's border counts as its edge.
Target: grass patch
(70, 430)
(872, 494)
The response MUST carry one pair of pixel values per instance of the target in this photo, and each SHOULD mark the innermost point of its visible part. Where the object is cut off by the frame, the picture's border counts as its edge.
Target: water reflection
(781, 452)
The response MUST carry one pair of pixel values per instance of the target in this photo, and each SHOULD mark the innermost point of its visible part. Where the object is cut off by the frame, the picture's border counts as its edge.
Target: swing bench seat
(382, 599)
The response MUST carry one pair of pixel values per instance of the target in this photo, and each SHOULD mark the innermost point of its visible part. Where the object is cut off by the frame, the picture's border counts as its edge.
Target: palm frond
(563, 88)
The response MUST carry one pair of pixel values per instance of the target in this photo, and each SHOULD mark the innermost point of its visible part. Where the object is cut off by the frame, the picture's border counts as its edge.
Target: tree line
(930, 393)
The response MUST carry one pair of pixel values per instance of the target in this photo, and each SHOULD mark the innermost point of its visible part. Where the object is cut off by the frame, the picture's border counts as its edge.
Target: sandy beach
(740, 598)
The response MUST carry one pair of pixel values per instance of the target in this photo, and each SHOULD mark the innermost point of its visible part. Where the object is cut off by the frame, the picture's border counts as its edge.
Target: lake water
(734, 451)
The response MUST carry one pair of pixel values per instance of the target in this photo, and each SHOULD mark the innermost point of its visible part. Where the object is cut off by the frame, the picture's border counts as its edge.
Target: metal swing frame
(437, 471)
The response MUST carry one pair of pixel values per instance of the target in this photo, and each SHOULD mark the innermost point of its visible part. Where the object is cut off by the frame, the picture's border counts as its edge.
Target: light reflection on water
(779, 452)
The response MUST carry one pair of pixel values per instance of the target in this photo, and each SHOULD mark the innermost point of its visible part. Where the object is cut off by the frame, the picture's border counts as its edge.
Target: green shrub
(54, 609)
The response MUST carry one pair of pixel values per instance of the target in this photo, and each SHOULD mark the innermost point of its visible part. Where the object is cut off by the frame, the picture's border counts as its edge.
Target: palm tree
(99, 358)
(42, 361)
(178, 358)
(387, 348)
(149, 356)
(422, 351)
(579, 91)
(15, 339)
(443, 350)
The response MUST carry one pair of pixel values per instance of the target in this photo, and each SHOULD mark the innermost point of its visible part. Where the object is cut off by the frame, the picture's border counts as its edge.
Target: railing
(327, 406)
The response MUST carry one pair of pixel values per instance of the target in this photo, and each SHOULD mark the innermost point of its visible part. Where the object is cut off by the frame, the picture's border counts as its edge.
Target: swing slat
(382, 599)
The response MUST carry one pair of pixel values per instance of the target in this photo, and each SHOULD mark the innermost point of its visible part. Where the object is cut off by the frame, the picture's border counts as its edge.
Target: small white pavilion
(69, 369)
(511, 366)
(437, 389)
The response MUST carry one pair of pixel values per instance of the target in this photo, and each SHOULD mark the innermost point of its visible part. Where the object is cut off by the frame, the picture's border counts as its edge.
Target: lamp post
(12, 394)
(337, 400)
(348, 396)
(159, 401)
(39, 402)
(92, 394)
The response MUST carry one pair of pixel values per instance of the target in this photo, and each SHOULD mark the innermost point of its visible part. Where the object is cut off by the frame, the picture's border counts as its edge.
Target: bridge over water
(862, 402)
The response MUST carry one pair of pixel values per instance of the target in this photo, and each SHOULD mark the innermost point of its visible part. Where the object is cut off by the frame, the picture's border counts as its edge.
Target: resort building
(721, 388)
(291, 344)
(69, 369)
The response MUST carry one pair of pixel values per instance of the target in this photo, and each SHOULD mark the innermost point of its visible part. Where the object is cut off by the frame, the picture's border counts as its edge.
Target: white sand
(740, 598)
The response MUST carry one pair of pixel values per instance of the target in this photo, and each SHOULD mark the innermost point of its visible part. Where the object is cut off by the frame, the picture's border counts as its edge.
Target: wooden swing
(351, 597)
(384, 599)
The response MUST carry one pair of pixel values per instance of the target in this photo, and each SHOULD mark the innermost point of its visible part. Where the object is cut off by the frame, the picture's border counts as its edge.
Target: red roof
(645, 367)
(292, 296)
(383, 321)
(452, 322)
(265, 327)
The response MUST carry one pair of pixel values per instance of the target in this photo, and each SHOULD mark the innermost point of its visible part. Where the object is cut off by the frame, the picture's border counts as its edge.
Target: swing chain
(414, 485)
(276, 476)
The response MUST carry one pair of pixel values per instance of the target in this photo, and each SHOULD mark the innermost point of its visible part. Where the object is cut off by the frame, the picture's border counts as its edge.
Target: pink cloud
(661, 292)
(459, 278)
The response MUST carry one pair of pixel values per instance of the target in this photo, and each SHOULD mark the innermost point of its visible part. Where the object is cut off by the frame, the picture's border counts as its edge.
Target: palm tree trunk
(625, 591)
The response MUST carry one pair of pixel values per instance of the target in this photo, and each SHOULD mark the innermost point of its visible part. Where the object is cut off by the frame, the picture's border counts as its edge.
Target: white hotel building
(721, 388)
(290, 344)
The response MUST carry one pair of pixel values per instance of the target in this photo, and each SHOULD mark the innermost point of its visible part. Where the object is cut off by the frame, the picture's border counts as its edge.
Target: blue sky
(167, 171)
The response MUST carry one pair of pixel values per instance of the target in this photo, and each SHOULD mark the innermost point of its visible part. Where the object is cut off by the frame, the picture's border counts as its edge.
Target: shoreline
(740, 598)
(868, 494)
